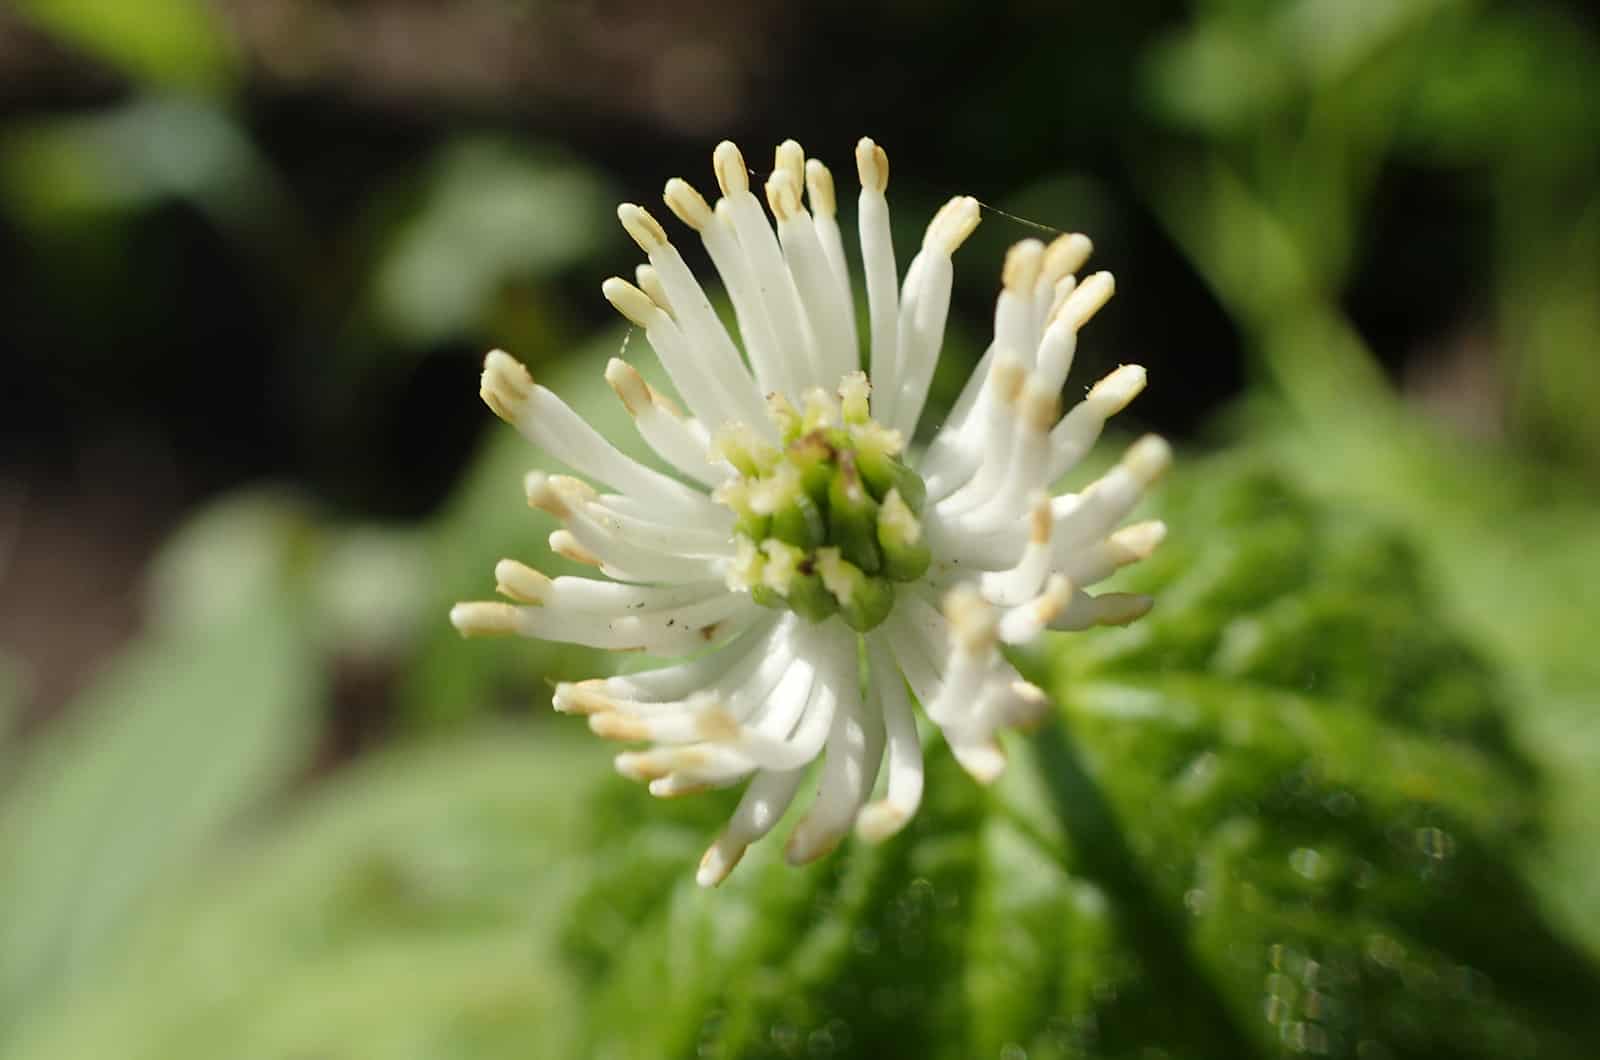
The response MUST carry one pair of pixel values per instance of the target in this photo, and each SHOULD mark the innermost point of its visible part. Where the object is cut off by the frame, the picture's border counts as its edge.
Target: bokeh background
(254, 250)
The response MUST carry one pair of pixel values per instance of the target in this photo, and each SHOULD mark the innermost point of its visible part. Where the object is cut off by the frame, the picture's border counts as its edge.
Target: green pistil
(828, 524)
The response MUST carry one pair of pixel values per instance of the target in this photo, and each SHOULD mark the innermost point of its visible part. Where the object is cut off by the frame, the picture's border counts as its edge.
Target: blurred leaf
(1510, 545)
(137, 155)
(1508, 88)
(1218, 77)
(13, 693)
(227, 558)
(176, 43)
(407, 914)
(1552, 318)
(179, 736)
(493, 215)
(371, 591)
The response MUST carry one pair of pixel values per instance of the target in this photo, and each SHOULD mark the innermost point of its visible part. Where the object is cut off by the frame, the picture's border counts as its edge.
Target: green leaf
(1509, 544)
(172, 43)
(1271, 817)
(403, 915)
(1281, 814)
(493, 216)
(87, 168)
(179, 736)
(175, 740)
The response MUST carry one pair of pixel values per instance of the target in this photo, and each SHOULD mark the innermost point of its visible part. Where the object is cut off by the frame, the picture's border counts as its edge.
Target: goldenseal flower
(818, 573)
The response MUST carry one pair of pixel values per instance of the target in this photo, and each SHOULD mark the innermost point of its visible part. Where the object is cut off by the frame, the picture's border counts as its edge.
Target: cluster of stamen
(829, 521)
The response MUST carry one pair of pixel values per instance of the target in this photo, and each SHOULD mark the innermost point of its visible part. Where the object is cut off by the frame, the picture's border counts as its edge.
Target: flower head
(817, 572)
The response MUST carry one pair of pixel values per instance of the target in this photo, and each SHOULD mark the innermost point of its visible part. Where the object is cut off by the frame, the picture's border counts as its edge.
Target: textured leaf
(1281, 814)
(1510, 546)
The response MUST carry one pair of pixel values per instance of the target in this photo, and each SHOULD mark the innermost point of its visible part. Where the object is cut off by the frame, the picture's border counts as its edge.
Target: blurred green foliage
(165, 43)
(1337, 789)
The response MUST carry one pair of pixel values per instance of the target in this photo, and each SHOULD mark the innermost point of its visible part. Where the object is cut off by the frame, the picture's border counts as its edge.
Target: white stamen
(622, 555)
(827, 314)
(925, 304)
(692, 313)
(819, 191)
(877, 263)
(669, 436)
(879, 820)
(773, 281)
(849, 767)
(1080, 428)
(547, 421)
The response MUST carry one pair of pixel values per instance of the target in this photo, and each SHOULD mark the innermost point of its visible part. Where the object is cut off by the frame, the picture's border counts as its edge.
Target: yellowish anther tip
(872, 165)
(1138, 541)
(878, 821)
(733, 176)
(563, 544)
(644, 229)
(640, 765)
(613, 726)
(790, 158)
(718, 860)
(505, 385)
(649, 281)
(544, 494)
(819, 189)
(1148, 458)
(636, 306)
(629, 386)
(950, 227)
(1022, 267)
(783, 195)
(984, 763)
(670, 787)
(805, 845)
(574, 490)
(1088, 299)
(520, 583)
(687, 204)
(485, 619)
(582, 698)
(1118, 388)
(1066, 255)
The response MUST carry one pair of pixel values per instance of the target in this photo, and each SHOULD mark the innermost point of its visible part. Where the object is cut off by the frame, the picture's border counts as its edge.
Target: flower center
(828, 522)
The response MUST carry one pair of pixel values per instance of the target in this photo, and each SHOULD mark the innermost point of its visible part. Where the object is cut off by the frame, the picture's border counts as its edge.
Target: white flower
(809, 528)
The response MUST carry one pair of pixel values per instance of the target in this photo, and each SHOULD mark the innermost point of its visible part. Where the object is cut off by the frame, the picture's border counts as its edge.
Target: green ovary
(829, 522)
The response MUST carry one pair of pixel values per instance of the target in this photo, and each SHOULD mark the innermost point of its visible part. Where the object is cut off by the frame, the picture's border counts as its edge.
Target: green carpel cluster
(829, 521)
